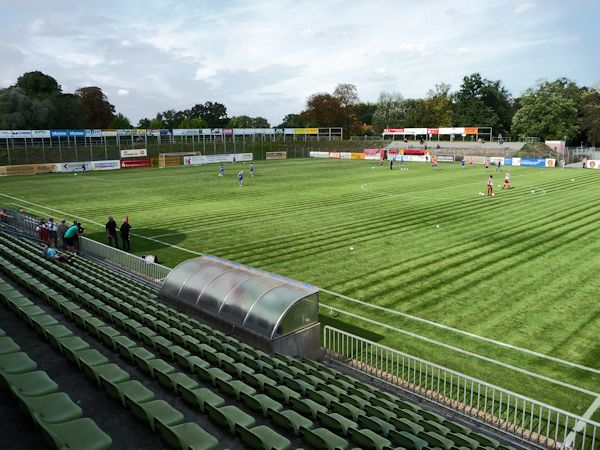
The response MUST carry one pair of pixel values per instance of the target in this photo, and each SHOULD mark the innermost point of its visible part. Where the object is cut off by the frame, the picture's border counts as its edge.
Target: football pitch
(501, 288)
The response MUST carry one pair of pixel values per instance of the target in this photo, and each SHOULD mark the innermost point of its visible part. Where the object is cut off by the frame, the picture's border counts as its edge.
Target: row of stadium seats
(53, 412)
(305, 399)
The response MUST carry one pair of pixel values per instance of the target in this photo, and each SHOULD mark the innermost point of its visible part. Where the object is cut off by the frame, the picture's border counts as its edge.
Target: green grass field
(521, 267)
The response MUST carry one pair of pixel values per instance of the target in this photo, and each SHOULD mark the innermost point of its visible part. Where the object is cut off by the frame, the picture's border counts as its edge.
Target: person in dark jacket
(111, 232)
(125, 227)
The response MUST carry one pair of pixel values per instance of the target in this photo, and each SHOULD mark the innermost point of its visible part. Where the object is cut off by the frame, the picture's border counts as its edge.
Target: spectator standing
(111, 232)
(62, 227)
(125, 227)
(42, 231)
(52, 229)
(70, 236)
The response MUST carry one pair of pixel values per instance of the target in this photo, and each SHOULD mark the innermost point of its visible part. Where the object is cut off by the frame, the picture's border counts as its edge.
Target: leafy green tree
(100, 111)
(120, 122)
(214, 114)
(550, 111)
(390, 112)
(293, 121)
(364, 113)
(348, 97)
(481, 102)
(590, 116)
(248, 122)
(38, 83)
(70, 113)
(192, 123)
(323, 110)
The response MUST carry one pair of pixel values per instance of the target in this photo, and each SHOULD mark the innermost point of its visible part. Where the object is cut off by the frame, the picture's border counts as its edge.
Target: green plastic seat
(403, 424)
(321, 438)
(230, 417)
(107, 335)
(258, 380)
(108, 374)
(430, 425)
(376, 424)
(132, 390)
(29, 311)
(159, 365)
(189, 435)
(140, 356)
(322, 397)
(175, 379)
(181, 355)
(368, 439)
(263, 438)
(407, 440)
(431, 416)
(260, 403)
(213, 374)
(90, 358)
(348, 410)
(290, 420)
(484, 440)
(460, 439)
(41, 322)
(234, 388)
(52, 408)
(7, 345)
(336, 422)
(201, 397)
(196, 363)
(436, 440)
(307, 407)
(30, 384)
(93, 325)
(70, 346)
(15, 363)
(281, 393)
(380, 411)
(54, 334)
(124, 346)
(78, 315)
(155, 411)
(81, 434)
(67, 308)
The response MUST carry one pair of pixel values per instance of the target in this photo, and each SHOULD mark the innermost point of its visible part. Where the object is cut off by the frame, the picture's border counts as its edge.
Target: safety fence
(523, 418)
(150, 271)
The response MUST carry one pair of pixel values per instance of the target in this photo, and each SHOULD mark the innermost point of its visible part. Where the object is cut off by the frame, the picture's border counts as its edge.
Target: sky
(264, 58)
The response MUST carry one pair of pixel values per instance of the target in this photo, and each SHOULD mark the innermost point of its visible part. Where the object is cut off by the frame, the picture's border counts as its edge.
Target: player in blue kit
(462, 163)
(252, 170)
(241, 177)
(221, 170)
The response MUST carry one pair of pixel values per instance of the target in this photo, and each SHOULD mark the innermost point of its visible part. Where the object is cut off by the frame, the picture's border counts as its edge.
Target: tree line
(556, 109)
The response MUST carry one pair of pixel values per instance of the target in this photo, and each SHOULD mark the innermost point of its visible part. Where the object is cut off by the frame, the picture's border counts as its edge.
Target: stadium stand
(194, 387)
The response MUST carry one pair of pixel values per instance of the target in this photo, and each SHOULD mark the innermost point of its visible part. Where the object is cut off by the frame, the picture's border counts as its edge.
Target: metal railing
(526, 419)
(150, 271)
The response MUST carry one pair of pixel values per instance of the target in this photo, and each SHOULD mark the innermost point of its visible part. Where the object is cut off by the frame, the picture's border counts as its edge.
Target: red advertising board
(135, 163)
(414, 151)
(394, 130)
(433, 131)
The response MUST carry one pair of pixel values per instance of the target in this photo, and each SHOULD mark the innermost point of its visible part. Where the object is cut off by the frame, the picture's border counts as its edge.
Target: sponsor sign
(80, 166)
(373, 154)
(445, 158)
(21, 134)
(516, 161)
(211, 159)
(76, 133)
(93, 133)
(495, 159)
(455, 130)
(475, 159)
(135, 163)
(40, 134)
(357, 156)
(394, 130)
(471, 130)
(593, 164)
(433, 131)
(228, 131)
(109, 133)
(46, 168)
(319, 154)
(533, 162)
(551, 162)
(276, 155)
(106, 165)
(306, 130)
(5, 134)
(59, 133)
(192, 160)
(335, 155)
(126, 132)
(134, 153)
(508, 161)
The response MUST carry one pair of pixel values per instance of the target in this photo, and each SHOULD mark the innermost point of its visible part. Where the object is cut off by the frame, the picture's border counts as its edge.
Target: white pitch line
(370, 305)
(580, 425)
(463, 332)
(464, 352)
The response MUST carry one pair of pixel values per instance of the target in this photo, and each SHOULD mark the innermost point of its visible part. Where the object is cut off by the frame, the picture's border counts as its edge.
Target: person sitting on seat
(53, 255)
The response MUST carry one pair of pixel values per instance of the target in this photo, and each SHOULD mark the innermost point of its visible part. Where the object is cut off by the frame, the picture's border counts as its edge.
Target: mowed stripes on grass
(520, 267)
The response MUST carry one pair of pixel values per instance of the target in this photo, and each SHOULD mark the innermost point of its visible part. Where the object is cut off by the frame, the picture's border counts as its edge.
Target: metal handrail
(524, 418)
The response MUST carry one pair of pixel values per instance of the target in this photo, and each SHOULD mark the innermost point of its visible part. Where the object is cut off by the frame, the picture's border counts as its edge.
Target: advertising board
(135, 163)
(134, 153)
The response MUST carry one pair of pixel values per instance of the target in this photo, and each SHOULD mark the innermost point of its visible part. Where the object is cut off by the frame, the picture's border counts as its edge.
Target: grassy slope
(521, 267)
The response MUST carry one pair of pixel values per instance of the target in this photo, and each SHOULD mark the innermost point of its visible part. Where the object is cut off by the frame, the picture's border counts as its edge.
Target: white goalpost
(174, 159)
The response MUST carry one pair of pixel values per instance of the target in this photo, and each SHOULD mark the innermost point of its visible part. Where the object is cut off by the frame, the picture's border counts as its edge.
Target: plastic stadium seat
(78, 315)
(234, 388)
(69, 346)
(41, 322)
(484, 440)
(30, 384)
(347, 410)
(336, 422)
(281, 393)
(290, 420)
(158, 365)
(407, 440)
(189, 436)
(230, 417)
(52, 408)
(66, 308)
(155, 411)
(90, 358)
(54, 334)
(407, 405)
(333, 389)
(322, 397)
(132, 389)
(457, 428)
(263, 438)
(93, 325)
(212, 374)
(258, 380)
(384, 403)
(123, 345)
(408, 414)
(261, 403)
(140, 356)
(436, 440)
(322, 438)
(403, 424)
(463, 440)
(81, 434)
(176, 379)
(376, 424)
(201, 397)
(15, 363)
(196, 363)
(181, 355)
(108, 374)
(7, 345)
(368, 439)
(430, 425)
(307, 407)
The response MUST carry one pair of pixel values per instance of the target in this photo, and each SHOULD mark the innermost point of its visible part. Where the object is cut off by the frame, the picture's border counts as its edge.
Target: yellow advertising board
(471, 130)
(306, 130)
(357, 156)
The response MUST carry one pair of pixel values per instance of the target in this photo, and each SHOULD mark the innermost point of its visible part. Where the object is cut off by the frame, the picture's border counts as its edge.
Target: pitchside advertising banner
(106, 165)
(533, 162)
(319, 154)
(80, 166)
(372, 153)
(593, 164)
(212, 159)
(445, 158)
(135, 163)
(134, 153)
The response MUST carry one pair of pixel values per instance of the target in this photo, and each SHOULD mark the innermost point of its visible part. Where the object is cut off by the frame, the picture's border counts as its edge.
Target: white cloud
(266, 57)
